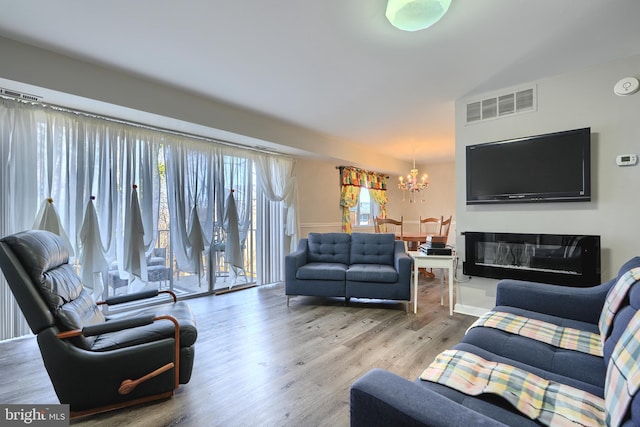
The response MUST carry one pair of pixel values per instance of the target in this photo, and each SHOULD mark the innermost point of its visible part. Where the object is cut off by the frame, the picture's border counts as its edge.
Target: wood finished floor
(261, 363)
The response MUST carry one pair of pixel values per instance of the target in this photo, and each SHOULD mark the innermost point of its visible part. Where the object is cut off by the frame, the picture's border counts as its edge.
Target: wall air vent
(19, 95)
(502, 105)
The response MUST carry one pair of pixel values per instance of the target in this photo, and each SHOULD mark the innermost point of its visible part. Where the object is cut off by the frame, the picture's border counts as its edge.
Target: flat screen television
(554, 167)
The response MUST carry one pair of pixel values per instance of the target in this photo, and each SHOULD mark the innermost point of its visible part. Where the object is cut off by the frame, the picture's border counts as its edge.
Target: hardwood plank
(259, 362)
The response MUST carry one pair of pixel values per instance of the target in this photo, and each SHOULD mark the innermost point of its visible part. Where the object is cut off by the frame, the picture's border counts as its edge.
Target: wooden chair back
(388, 225)
(445, 225)
(425, 225)
(442, 228)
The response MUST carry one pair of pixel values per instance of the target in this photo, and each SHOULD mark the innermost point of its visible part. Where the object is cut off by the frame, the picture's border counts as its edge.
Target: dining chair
(389, 225)
(445, 225)
(441, 229)
(425, 225)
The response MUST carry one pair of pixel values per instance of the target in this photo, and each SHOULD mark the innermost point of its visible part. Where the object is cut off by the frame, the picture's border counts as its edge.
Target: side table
(421, 260)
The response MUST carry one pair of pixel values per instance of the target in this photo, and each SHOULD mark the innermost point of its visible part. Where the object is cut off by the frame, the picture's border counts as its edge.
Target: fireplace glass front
(548, 258)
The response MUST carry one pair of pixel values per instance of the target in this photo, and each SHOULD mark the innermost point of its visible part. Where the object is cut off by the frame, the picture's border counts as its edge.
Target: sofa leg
(346, 301)
(288, 300)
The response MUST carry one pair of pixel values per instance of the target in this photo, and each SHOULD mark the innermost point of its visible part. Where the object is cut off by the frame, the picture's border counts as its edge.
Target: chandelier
(412, 185)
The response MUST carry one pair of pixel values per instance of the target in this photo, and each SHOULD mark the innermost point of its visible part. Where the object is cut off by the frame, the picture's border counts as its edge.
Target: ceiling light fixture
(414, 15)
(412, 185)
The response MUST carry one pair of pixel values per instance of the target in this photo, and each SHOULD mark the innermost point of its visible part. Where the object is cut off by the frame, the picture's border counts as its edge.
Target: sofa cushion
(498, 408)
(569, 363)
(150, 333)
(329, 247)
(367, 248)
(587, 368)
(322, 271)
(548, 402)
(378, 273)
(556, 320)
(596, 390)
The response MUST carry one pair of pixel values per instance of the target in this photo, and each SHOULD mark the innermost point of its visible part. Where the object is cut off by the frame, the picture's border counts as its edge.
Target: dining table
(416, 239)
(413, 236)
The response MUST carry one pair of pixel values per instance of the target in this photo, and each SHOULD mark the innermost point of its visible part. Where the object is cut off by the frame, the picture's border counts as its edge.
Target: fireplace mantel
(548, 258)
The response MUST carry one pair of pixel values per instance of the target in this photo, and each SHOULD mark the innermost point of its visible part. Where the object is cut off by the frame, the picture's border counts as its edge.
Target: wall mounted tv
(554, 167)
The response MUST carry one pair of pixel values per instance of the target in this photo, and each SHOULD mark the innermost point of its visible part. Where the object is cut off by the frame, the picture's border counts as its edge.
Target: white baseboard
(470, 310)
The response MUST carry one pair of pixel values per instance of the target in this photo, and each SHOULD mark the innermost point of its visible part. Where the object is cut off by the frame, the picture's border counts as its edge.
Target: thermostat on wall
(626, 159)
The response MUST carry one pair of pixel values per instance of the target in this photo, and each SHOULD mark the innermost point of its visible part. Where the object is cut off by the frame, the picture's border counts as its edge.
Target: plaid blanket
(623, 373)
(548, 402)
(557, 336)
(614, 299)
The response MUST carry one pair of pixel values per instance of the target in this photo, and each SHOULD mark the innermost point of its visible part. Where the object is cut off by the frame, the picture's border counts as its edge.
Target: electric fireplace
(565, 259)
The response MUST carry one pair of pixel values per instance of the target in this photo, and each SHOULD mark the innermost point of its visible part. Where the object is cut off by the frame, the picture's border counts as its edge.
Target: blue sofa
(358, 265)
(382, 398)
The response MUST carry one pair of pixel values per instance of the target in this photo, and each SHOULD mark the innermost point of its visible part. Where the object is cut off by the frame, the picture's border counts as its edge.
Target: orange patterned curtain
(377, 185)
(351, 180)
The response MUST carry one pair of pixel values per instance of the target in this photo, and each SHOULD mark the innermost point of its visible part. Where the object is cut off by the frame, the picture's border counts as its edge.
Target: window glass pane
(363, 213)
(364, 217)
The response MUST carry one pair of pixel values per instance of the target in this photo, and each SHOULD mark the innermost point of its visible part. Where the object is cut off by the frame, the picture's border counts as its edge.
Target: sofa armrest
(381, 398)
(402, 263)
(295, 260)
(583, 304)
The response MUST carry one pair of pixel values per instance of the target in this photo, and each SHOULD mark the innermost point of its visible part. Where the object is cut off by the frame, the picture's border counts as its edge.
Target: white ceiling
(335, 66)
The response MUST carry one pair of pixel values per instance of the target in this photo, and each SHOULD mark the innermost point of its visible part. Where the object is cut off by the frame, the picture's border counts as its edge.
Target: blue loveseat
(382, 398)
(358, 265)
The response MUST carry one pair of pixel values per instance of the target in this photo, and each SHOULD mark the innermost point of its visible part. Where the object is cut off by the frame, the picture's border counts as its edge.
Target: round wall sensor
(627, 86)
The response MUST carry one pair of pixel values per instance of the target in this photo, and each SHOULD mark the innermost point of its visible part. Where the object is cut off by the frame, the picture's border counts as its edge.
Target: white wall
(569, 101)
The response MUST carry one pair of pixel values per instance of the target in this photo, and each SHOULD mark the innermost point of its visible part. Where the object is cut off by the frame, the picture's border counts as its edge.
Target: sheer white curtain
(276, 179)
(134, 162)
(238, 173)
(79, 157)
(201, 177)
(48, 153)
(277, 204)
(19, 186)
(191, 189)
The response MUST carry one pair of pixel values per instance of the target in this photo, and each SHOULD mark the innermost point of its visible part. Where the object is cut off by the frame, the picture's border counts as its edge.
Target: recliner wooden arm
(127, 386)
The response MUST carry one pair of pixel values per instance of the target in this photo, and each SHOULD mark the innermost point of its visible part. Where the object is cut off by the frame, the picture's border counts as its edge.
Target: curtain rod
(63, 109)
